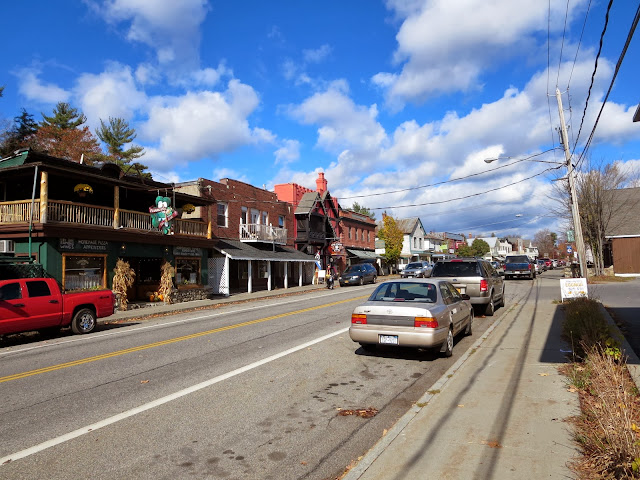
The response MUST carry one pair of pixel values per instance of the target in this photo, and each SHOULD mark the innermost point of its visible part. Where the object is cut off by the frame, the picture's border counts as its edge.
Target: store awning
(237, 250)
(362, 254)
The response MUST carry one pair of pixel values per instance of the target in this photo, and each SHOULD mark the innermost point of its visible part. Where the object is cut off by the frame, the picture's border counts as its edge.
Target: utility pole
(575, 213)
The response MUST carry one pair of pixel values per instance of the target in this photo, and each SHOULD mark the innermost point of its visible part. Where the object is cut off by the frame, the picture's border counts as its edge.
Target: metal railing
(255, 232)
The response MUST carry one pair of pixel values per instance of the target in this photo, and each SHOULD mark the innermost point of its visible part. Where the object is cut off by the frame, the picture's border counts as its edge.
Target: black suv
(476, 278)
(359, 275)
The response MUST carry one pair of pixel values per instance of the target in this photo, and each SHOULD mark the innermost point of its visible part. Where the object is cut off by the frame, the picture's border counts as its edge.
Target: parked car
(554, 263)
(548, 263)
(38, 304)
(519, 266)
(499, 267)
(476, 278)
(542, 266)
(359, 275)
(416, 269)
(412, 313)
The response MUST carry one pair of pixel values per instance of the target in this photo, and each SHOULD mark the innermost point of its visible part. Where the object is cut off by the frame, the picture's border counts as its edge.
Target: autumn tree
(73, 144)
(393, 238)
(356, 207)
(116, 134)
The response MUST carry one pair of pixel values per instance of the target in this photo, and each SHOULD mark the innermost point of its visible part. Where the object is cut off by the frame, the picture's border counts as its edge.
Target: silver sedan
(417, 313)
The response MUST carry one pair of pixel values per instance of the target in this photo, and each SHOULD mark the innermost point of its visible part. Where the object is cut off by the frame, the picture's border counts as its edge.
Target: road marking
(104, 356)
(82, 338)
(166, 399)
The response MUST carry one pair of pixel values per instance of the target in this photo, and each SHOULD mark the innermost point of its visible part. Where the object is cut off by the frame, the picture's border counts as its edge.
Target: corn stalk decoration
(122, 280)
(166, 282)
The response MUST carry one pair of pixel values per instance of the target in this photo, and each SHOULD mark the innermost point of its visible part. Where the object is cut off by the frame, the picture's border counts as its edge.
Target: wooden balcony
(255, 232)
(64, 212)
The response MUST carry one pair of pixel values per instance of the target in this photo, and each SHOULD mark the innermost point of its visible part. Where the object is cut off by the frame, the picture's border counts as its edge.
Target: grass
(607, 430)
(608, 279)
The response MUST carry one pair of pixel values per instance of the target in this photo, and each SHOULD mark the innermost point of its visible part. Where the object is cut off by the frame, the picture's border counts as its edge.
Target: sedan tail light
(359, 318)
(425, 322)
(484, 285)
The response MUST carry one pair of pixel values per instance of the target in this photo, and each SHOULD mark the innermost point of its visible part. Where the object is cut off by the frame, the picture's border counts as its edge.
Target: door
(459, 309)
(43, 305)
(12, 307)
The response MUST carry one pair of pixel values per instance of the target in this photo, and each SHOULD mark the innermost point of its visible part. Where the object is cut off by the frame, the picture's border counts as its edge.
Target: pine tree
(116, 134)
(25, 126)
(64, 117)
(20, 135)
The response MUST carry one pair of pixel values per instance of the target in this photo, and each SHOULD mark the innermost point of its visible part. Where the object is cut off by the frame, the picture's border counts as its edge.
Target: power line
(575, 59)
(593, 75)
(564, 33)
(471, 195)
(451, 179)
(632, 30)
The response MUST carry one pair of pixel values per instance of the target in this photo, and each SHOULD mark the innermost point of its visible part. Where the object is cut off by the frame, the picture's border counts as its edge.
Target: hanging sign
(162, 215)
(336, 248)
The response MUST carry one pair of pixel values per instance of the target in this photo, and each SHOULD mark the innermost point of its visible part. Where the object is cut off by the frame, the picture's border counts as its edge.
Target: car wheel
(490, 308)
(447, 348)
(469, 329)
(361, 280)
(84, 321)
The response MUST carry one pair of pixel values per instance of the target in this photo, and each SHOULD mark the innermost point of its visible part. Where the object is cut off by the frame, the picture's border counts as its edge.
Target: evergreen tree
(19, 135)
(356, 207)
(25, 126)
(116, 134)
(64, 117)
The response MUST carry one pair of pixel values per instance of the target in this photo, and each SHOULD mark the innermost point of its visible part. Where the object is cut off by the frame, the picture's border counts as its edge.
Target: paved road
(622, 299)
(247, 391)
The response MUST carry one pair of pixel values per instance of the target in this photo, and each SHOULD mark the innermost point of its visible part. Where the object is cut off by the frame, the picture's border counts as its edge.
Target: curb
(633, 362)
(374, 452)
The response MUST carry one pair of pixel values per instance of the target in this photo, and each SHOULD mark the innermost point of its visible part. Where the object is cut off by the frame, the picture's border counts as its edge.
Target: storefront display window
(81, 272)
(187, 271)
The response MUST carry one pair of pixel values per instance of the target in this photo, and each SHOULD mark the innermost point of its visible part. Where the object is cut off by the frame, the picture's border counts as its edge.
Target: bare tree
(545, 240)
(596, 188)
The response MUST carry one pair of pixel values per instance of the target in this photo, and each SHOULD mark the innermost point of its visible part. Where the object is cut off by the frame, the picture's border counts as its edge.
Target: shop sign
(573, 288)
(336, 248)
(162, 215)
(187, 251)
(73, 245)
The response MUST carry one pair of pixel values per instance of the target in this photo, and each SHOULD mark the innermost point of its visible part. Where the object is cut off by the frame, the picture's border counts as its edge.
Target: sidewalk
(498, 413)
(161, 308)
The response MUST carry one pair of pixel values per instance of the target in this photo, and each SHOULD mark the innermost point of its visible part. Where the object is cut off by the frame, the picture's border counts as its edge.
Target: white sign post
(573, 288)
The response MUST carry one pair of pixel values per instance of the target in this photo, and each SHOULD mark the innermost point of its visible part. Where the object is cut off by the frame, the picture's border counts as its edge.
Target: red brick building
(338, 236)
(254, 247)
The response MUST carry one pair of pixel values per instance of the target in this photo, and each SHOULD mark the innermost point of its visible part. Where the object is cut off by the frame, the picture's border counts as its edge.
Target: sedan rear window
(456, 269)
(405, 292)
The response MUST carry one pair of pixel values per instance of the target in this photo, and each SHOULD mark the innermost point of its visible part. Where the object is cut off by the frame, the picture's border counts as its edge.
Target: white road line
(160, 401)
(147, 327)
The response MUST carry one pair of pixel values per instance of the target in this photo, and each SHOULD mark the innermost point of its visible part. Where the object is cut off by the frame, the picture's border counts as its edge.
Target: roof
(237, 250)
(625, 213)
(406, 225)
(307, 202)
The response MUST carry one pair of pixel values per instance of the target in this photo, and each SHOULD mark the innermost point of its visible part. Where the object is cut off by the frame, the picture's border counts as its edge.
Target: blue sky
(387, 98)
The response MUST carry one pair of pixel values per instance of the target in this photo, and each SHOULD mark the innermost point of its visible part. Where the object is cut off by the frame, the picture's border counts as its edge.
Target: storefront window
(83, 271)
(187, 271)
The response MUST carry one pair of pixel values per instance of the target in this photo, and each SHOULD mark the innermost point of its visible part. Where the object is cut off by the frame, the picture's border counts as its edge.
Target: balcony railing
(255, 232)
(61, 211)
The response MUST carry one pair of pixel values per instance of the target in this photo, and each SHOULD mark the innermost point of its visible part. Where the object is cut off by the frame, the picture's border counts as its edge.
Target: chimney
(321, 183)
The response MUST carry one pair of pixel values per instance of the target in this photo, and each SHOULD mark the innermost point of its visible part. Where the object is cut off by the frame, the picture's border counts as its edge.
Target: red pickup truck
(38, 304)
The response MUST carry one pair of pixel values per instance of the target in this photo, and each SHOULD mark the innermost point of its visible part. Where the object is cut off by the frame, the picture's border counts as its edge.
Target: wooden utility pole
(575, 212)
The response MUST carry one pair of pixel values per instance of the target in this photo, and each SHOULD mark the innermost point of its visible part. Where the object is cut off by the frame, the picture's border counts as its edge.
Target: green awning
(363, 254)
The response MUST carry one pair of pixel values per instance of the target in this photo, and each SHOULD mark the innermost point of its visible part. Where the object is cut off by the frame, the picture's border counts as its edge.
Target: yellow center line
(117, 353)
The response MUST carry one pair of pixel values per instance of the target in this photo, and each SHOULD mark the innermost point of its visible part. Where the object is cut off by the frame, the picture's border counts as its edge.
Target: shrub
(585, 326)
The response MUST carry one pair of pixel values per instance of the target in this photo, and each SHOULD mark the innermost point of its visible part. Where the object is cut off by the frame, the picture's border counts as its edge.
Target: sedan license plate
(388, 339)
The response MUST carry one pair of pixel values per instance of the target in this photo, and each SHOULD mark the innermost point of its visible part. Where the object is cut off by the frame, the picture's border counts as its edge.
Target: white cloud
(172, 28)
(220, 173)
(112, 93)
(316, 55)
(288, 152)
(342, 124)
(34, 89)
(202, 124)
(445, 46)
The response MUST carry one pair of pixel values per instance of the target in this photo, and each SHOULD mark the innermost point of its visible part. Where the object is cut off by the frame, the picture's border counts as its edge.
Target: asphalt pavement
(499, 412)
